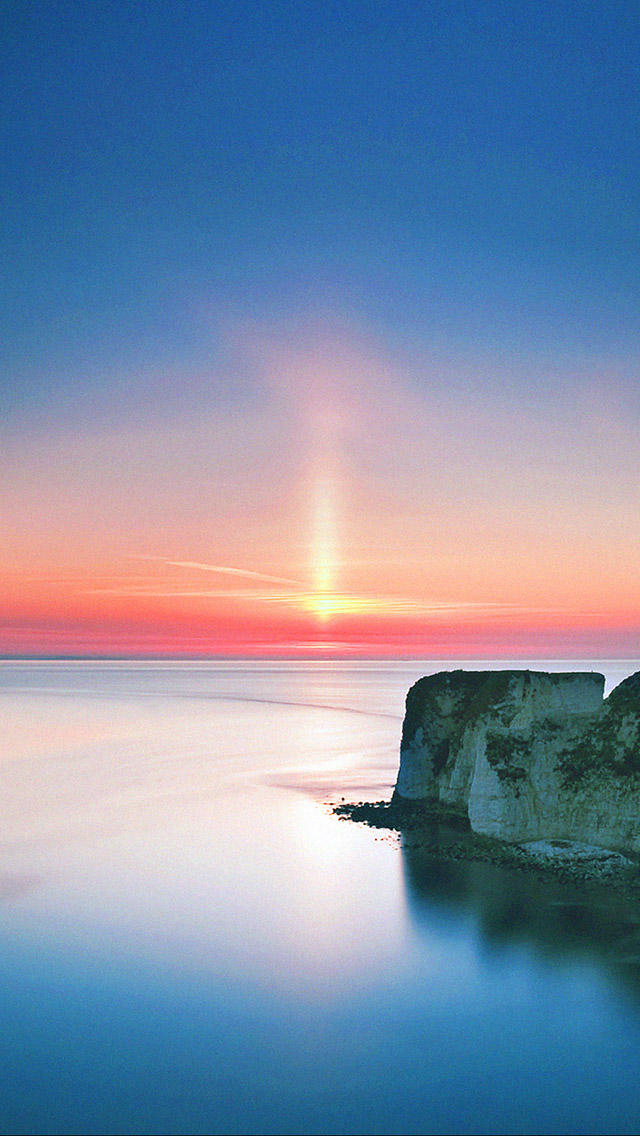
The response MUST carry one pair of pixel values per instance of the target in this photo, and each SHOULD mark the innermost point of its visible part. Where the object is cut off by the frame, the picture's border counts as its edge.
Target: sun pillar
(323, 546)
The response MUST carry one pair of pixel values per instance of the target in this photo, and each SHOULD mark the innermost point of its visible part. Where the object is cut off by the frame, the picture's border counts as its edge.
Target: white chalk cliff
(527, 755)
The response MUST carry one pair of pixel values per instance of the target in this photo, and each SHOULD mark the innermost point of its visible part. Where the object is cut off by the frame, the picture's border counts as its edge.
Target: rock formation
(527, 755)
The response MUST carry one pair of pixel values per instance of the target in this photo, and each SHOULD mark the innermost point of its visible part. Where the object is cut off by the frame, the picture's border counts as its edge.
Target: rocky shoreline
(447, 835)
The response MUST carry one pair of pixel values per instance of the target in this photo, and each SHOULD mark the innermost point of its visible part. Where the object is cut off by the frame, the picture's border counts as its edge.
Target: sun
(322, 605)
(326, 604)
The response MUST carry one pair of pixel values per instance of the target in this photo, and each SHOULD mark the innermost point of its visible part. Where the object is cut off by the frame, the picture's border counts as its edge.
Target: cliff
(527, 755)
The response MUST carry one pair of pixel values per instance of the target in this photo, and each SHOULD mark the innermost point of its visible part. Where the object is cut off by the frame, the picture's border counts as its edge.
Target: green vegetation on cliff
(610, 745)
(505, 753)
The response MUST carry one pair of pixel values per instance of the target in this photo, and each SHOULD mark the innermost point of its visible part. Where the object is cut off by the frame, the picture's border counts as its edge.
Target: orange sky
(354, 503)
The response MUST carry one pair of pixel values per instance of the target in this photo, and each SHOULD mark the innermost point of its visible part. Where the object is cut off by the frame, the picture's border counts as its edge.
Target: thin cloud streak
(350, 603)
(224, 570)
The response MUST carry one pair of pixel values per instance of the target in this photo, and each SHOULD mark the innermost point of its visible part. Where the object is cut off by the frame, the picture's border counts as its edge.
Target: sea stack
(527, 755)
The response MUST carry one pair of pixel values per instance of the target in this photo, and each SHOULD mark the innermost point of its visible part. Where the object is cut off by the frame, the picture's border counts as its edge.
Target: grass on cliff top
(477, 693)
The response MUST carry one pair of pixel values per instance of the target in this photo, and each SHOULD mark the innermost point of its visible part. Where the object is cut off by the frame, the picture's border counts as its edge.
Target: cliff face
(528, 755)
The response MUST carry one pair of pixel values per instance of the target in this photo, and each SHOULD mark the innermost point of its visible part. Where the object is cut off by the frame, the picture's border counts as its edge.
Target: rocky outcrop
(527, 755)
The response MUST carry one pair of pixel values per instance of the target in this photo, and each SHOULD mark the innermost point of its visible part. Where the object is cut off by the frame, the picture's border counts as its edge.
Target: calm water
(192, 943)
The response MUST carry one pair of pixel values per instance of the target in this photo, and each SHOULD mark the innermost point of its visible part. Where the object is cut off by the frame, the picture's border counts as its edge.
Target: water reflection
(560, 922)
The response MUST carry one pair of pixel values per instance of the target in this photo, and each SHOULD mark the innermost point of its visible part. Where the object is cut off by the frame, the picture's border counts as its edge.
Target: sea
(191, 941)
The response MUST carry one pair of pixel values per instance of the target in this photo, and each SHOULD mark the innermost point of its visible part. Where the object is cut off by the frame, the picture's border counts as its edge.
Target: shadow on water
(561, 922)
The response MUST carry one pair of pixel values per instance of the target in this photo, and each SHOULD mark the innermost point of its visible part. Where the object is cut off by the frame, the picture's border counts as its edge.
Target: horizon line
(306, 655)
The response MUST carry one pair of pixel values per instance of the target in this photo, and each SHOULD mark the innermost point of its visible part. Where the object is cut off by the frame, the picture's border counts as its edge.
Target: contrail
(222, 568)
(225, 571)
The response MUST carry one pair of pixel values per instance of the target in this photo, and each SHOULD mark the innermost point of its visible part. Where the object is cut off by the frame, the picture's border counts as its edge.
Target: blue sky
(468, 172)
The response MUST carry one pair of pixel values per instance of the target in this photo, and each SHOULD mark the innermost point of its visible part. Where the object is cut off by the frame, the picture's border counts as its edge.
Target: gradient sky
(320, 328)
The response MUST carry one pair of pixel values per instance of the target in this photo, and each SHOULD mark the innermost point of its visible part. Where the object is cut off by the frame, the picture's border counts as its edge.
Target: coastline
(447, 835)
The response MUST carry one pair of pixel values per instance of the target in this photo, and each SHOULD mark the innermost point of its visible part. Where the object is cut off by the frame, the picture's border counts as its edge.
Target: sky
(320, 328)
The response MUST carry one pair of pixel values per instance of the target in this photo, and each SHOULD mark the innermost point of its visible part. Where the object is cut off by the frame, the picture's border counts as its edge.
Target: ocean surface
(191, 942)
